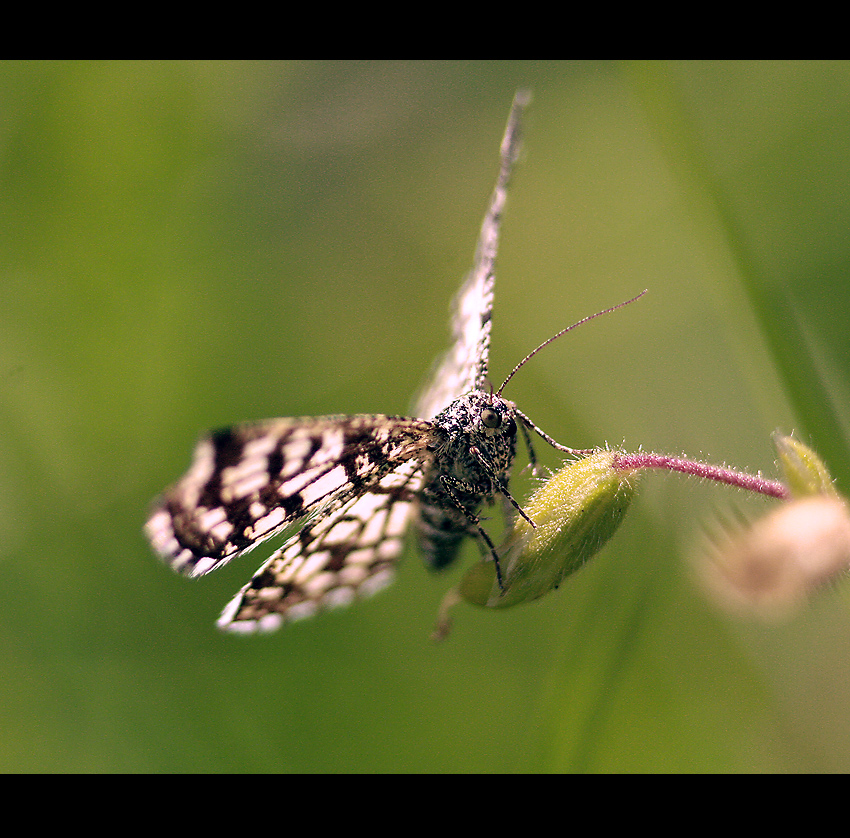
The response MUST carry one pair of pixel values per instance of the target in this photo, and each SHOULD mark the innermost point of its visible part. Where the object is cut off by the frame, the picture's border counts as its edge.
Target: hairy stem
(751, 482)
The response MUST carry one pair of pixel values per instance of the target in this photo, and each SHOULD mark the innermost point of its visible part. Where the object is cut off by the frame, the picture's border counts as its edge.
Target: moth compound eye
(490, 418)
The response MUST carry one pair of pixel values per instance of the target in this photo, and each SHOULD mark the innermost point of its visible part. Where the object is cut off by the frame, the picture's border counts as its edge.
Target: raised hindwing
(465, 366)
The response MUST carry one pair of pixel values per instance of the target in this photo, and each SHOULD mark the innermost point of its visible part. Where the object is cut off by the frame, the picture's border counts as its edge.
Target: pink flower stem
(751, 482)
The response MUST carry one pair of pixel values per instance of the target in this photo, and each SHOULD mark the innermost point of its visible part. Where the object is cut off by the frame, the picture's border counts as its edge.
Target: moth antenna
(563, 332)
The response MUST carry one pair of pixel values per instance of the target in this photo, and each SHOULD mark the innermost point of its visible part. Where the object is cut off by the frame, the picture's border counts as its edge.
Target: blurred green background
(187, 245)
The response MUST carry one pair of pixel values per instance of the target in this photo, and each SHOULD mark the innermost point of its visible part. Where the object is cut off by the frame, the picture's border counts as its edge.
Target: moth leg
(473, 519)
(500, 484)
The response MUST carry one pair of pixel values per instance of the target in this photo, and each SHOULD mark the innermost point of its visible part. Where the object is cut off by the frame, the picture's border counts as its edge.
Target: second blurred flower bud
(778, 562)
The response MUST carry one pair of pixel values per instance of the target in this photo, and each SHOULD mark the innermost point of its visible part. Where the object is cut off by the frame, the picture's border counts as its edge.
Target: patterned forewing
(335, 559)
(248, 483)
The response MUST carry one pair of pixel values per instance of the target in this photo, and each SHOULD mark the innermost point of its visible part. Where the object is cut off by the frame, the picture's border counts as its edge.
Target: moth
(345, 489)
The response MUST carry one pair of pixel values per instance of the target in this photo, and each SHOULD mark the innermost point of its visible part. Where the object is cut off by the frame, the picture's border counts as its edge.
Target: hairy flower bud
(575, 512)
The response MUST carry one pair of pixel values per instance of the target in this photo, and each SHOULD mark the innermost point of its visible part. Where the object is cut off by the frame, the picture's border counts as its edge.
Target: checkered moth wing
(348, 481)
(466, 364)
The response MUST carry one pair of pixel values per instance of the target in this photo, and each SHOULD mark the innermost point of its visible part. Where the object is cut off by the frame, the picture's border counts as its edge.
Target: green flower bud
(575, 512)
(804, 471)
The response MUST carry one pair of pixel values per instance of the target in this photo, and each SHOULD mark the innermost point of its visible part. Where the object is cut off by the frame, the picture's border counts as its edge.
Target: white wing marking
(346, 555)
